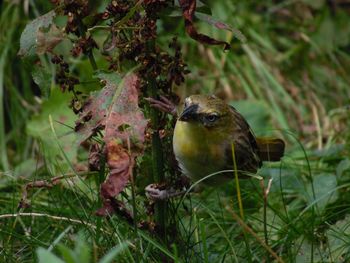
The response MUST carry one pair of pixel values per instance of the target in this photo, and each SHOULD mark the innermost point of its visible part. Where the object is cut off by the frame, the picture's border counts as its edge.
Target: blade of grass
(239, 198)
(5, 50)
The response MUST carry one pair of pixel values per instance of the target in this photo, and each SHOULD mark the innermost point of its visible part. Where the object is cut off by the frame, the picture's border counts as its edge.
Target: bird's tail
(270, 149)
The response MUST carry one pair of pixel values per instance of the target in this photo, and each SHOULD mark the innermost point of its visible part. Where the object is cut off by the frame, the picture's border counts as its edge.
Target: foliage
(81, 253)
(77, 135)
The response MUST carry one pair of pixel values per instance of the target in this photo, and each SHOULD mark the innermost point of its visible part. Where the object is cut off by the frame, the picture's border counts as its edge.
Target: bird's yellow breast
(198, 150)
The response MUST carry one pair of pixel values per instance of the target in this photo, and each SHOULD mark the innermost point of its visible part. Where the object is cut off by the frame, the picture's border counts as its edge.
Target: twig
(4, 216)
(43, 184)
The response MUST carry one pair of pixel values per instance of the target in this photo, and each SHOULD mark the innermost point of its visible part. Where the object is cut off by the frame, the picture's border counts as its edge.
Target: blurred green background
(287, 73)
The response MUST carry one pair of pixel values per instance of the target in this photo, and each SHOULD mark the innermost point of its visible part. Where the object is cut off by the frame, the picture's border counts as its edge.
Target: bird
(203, 137)
(205, 133)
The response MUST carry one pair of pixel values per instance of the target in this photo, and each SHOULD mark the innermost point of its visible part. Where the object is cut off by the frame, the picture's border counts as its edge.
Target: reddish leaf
(120, 165)
(106, 210)
(125, 119)
(94, 112)
(115, 109)
(188, 10)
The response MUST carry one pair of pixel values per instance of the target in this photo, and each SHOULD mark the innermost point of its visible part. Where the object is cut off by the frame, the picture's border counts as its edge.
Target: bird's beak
(189, 113)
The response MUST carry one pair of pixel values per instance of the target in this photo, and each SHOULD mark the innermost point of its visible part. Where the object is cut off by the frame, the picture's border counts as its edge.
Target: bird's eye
(212, 117)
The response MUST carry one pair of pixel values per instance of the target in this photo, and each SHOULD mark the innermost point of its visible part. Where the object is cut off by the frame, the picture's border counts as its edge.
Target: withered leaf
(94, 157)
(125, 120)
(115, 110)
(94, 112)
(188, 9)
(28, 40)
(125, 128)
(47, 40)
(120, 164)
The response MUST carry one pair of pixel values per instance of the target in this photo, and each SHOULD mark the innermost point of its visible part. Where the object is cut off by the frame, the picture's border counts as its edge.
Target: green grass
(288, 79)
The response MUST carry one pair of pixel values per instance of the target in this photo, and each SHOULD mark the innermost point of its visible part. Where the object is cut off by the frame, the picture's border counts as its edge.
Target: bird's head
(207, 111)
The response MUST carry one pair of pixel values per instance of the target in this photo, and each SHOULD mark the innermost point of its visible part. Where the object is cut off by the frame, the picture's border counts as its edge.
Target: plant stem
(240, 204)
(157, 163)
(265, 216)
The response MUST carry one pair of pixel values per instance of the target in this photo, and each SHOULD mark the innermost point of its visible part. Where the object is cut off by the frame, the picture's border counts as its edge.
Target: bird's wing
(246, 148)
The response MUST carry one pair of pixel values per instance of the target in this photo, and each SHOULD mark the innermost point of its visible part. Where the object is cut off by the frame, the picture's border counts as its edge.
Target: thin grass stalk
(204, 241)
(239, 197)
(265, 195)
(4, 53)
(265, 216)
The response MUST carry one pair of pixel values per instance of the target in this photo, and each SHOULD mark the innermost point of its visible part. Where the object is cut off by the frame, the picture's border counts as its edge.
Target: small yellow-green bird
(203, 138)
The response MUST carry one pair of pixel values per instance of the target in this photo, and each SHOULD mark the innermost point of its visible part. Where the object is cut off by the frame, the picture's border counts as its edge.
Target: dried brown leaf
(46, 41)
(120, 165)
(115, 109)
(188, 9)
(95, 157)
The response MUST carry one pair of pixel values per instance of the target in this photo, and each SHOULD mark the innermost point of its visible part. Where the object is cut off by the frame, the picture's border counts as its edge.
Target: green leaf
(114, 252)
(67, 254)
(333, 32)
(45, 256)
(110, 77)
(331, 151)
(26, 168)
(82, 250)
(325, 193)
(342, 167)
(63, 117)
(338, 238)
(29, 35)
(43, 78)
(303, 254)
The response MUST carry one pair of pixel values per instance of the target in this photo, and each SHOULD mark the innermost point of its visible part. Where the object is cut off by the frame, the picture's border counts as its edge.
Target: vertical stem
(265, 216)
(134, 209)
(157, 162)
(5, 48)
(238, 189)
